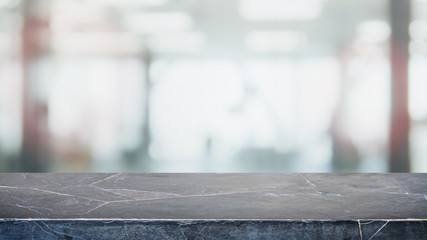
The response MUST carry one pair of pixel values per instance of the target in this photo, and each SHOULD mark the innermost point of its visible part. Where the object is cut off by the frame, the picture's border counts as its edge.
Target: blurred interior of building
(213, 86)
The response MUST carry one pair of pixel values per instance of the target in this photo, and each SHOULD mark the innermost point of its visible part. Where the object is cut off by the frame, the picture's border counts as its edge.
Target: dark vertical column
(400, 16)
(146, 132)
(140, 155)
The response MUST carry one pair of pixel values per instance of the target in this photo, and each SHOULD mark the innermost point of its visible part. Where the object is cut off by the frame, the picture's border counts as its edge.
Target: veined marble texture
(212, 206)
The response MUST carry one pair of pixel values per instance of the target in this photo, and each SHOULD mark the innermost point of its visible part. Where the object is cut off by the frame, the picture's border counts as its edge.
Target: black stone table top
(322, 199)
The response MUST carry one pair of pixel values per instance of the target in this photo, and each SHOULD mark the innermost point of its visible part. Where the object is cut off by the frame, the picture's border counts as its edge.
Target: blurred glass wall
(205, 86)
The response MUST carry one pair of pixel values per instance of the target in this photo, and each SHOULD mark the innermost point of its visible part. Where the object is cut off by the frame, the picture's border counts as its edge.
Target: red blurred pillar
(34, 112)
(400, 16)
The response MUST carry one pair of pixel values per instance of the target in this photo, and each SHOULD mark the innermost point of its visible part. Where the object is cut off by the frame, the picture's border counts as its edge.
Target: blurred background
(213, 85)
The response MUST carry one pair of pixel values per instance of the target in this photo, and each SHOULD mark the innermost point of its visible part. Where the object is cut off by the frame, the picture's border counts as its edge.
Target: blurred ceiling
(209, 28)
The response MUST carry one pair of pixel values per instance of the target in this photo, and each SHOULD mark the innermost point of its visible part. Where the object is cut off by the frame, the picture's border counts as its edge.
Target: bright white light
(417, 88)
(190, 101)
(269, 41)
(419, 148)
(277, 10)
(8, 3)
(161, 22)
(11, 22)
(76, 16)
(187, 42)
(373, 31)
(418, 47)
(367, 105)
(97, 43)
(9, 43)
(10, 110)
(149, 3)
(418, 30)
(5, 42)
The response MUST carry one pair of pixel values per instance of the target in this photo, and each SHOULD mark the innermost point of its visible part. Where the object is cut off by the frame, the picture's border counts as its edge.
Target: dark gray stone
(213, 206)
(135, 229)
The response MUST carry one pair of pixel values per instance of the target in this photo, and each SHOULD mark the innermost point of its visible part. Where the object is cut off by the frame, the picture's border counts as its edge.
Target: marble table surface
(212, 206)
(213, 196)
